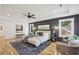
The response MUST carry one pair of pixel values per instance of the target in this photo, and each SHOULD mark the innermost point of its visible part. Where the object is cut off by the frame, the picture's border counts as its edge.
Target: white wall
(10, 28)
(1, 31)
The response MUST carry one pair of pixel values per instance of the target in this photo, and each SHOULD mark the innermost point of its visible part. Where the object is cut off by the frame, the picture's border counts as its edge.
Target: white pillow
(45, 34)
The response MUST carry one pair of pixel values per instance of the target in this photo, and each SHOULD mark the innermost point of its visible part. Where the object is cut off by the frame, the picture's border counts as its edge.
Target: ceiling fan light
(55, 11)
(60, 5)
(8, 15)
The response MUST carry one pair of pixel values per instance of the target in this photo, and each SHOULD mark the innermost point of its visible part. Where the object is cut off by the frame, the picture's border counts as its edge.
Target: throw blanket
(29, 36)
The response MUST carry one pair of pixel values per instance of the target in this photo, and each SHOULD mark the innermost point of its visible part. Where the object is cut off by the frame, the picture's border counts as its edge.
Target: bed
(37, 40)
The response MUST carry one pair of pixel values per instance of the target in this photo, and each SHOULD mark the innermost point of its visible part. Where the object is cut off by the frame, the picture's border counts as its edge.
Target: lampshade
(56, 27)
(34, 28)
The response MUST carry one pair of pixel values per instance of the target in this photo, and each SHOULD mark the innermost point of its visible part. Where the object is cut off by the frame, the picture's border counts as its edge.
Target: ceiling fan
(29, 15)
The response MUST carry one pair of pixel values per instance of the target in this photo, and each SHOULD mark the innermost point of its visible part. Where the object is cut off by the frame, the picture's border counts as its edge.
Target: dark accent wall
(76, 27)
(55, 21)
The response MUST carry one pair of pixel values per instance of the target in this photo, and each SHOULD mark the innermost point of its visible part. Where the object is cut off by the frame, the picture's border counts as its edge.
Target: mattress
(35, 41)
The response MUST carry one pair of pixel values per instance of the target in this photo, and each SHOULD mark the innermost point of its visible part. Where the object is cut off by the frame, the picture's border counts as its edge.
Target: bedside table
(59, 39)
(53, 39)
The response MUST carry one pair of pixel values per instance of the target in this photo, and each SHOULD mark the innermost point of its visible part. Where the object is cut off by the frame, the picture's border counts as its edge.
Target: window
(66, 27)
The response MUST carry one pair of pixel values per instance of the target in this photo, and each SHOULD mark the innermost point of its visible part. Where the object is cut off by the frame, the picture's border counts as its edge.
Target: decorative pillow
(45, 34)
(40, 33)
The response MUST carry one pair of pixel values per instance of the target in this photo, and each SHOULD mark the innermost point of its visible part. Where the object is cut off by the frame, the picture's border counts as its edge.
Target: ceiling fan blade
(33, 17)
(29, 13)
(25, 14)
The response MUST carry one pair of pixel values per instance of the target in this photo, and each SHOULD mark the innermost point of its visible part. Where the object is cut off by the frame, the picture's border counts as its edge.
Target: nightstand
(59, 39)
(53, 39)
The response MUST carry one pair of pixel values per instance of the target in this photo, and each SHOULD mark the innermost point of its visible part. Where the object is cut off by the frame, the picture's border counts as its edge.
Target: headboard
(45, 33)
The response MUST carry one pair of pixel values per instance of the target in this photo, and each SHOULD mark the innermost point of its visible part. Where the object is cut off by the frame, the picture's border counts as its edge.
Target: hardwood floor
(6, 48)
(50, 50)
(55, 48)
(59, 48)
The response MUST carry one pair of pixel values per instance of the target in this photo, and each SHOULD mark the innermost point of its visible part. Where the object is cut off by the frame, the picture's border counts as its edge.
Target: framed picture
(1, 27)
(31, 28)
(19, 28)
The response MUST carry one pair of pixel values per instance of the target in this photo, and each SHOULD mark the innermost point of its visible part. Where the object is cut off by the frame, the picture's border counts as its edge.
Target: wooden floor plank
(6, 48)
(50, 50)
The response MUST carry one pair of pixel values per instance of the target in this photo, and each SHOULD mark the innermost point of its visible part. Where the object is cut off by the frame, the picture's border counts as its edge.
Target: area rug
(29, 49)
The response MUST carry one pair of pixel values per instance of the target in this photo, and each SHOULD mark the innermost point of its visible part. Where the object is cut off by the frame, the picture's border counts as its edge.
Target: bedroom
(30, 28)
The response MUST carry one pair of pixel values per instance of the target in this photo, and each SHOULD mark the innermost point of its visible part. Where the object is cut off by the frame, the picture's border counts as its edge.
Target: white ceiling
(41, 11)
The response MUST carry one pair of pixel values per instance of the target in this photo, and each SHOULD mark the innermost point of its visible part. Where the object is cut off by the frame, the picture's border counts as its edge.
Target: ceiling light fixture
(60, 5)
(8, 15)
(55, 11)
(56, 27)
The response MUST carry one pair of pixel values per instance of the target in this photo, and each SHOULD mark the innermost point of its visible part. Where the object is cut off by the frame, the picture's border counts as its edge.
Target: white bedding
(37, 40)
